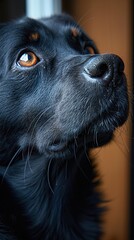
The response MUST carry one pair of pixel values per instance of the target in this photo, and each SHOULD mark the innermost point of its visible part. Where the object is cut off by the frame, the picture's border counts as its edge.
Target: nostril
(97, 70)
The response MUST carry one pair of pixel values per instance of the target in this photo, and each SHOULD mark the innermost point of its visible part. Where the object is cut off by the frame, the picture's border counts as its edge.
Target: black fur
(51, 113)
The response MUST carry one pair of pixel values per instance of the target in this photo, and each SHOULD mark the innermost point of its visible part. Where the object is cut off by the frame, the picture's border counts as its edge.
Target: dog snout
(104, 68)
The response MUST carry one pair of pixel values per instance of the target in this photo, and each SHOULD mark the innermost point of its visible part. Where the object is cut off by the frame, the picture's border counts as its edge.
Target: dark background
(11, 9)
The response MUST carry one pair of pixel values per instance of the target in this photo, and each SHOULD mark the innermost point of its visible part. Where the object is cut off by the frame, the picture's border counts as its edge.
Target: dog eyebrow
(75, 32)
(35, 36)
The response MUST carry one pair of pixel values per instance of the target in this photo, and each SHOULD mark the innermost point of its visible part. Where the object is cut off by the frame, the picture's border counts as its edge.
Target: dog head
(56, 90)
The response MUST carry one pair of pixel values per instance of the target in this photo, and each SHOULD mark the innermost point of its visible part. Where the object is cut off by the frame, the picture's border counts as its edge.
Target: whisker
(48, 176)
(27, 162)
(38, 117)
(9, 164)
(78, 164)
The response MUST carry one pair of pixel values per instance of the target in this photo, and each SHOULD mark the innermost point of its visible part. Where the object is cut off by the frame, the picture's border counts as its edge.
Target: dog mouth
(89, 135)
(57, 146)
(83, 140)
(66, 146)
(61, 148)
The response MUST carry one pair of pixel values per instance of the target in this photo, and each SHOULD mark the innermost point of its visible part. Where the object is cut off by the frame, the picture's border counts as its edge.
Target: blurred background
(109, 23)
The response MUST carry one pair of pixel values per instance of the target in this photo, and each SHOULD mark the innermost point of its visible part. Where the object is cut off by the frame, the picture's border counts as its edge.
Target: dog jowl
(58, 98)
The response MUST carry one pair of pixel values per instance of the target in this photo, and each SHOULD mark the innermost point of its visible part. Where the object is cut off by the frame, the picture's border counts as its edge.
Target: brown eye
(28, 59)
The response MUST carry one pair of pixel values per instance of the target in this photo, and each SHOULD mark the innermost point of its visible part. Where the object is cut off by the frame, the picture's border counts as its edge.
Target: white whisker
(11, 161)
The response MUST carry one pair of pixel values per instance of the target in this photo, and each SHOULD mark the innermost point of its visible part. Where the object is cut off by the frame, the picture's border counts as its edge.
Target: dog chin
(67, 149)
(101, 139)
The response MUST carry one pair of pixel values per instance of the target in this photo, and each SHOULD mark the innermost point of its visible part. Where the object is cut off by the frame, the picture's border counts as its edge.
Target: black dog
(58, 98)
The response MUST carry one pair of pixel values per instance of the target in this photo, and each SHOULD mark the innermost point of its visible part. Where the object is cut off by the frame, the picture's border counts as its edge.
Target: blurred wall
(108, 22)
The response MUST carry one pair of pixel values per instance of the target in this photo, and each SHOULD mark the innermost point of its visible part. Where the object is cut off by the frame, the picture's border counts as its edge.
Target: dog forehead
(25, 30)
(61, 24)
(48, 28)
(33, 30)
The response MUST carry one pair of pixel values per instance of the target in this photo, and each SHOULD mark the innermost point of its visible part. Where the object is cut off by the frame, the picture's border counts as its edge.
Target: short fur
(51, 114)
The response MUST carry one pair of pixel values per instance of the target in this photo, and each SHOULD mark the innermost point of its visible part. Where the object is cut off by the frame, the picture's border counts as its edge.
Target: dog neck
(59, 188)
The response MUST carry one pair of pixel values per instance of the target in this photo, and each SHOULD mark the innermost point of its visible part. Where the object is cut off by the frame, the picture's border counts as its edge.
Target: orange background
(108, 22)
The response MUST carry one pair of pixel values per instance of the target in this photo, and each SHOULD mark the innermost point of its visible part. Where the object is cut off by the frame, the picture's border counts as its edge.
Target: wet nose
(104, 68)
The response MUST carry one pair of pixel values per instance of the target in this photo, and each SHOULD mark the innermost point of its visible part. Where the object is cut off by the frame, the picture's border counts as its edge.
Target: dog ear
(2, 28)
(3, 24)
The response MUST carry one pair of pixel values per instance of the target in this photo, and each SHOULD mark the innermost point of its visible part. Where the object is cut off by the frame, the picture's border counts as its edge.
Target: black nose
(104, 68)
